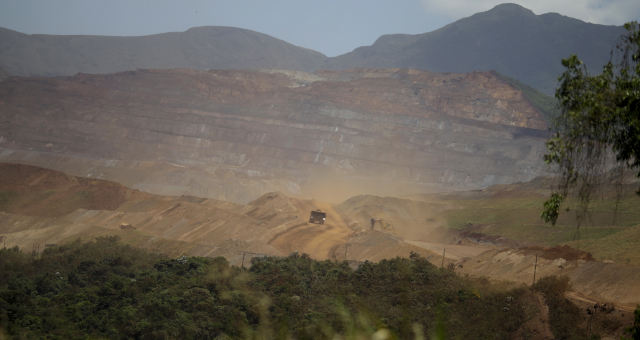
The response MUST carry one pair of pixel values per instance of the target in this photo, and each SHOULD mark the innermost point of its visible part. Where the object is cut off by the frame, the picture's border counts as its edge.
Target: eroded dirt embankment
(602, 282)
(43, 207)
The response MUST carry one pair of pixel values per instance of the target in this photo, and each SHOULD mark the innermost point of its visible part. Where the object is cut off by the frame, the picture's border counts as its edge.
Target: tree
(634, 330)
(599, 125)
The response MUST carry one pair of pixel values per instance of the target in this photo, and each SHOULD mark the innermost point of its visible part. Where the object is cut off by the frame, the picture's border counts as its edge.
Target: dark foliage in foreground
(564, 317)
(106, 289)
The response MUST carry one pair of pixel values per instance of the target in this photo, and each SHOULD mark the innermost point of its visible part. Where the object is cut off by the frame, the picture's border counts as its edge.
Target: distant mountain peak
(508, 38)
(510, 9)
(205, 47)
(219, 29)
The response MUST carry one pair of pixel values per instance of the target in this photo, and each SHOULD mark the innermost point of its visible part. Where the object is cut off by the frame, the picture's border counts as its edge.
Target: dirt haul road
(42, 207)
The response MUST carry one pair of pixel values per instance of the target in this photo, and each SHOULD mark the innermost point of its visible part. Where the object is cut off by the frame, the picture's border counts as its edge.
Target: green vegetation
(517, 217)
(6, 197)
(634, 330)
(599, 123)
(620, 247)
(104, 289)
(547, 105)
(564, 317)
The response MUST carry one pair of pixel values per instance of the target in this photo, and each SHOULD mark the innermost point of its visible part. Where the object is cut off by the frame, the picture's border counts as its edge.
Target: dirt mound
(31, 190)
(558, 252)
(48, 207)
(271, 204)
(20, 176)
(376, 246)
(288, 228)
(406, 218)
(600, 281)
(42, 207)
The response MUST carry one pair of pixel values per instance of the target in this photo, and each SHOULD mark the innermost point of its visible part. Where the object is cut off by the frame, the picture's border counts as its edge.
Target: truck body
(317, 217)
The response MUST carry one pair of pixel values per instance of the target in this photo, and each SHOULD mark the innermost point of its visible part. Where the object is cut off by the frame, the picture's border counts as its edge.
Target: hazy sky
(329, 26)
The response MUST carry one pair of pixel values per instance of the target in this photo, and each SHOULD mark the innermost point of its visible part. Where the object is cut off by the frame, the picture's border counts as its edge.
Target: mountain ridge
(509, 39)
(205, 47)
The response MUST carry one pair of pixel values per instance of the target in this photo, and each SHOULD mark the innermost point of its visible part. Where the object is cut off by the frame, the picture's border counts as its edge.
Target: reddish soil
(39, 206)
(35, 191)
(557, 252)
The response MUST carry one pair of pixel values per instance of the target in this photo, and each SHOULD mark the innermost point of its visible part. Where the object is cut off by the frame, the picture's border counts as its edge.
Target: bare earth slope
(600, 281)
(40, 207)
(235, 135)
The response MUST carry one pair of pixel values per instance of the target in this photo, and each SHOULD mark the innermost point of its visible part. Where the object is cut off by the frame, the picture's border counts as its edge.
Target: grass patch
(547, 105)
(620, 247)
(6, 198)
(518, 218)
(83, 195)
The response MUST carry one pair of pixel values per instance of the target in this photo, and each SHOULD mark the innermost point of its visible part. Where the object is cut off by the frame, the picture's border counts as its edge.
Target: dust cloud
(335, 187)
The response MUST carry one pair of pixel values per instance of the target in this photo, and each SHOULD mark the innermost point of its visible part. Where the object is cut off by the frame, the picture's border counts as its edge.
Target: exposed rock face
(236, 134)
